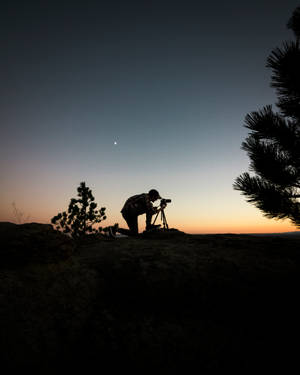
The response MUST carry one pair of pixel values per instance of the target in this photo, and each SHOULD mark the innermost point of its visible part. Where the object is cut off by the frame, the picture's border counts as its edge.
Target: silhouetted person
(138, 205)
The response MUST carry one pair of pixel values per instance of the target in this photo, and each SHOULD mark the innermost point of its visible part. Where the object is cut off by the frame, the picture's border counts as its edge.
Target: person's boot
(112, 231)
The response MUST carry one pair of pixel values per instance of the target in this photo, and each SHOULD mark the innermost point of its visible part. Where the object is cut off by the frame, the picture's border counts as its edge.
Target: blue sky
(171, 82)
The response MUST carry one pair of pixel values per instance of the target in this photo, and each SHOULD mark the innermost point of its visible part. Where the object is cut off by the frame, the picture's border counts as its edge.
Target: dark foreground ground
(161, 304)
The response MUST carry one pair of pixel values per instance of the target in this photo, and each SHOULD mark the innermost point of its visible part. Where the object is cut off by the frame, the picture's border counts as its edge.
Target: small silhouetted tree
(81, 215)
(273, 144)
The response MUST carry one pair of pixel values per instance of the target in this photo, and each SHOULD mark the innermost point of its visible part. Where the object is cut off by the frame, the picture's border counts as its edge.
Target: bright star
(115, 143)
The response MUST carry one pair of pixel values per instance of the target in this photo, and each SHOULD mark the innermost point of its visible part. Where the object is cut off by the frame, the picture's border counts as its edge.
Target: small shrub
(19, 215)
(81, 215)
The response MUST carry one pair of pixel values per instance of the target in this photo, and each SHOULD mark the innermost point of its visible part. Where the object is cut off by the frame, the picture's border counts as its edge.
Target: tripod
(163, 219)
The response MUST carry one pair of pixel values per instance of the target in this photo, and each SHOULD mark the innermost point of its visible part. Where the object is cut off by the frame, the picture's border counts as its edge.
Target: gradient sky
(169, 81)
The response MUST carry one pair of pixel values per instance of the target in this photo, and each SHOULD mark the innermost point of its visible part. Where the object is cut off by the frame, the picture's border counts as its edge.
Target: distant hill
(280, 234)
(284, 234)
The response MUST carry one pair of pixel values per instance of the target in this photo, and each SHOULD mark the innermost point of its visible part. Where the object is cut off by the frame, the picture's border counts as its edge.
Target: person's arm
(149, 206)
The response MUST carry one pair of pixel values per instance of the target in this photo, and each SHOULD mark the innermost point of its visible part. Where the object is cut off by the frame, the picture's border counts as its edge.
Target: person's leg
(148, 220)
(132, 222)
(150, 226)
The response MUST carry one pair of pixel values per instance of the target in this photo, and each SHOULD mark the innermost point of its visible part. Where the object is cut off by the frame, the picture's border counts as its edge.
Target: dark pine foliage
(81, 215)
(273, 143)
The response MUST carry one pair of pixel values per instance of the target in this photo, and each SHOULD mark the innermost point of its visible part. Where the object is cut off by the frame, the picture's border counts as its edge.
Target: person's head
(153, 195)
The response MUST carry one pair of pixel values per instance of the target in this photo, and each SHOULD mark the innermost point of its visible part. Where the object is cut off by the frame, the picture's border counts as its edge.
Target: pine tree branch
(268, 125)
(294, 22)
(269, 162)
(285, 78)
(271, 200)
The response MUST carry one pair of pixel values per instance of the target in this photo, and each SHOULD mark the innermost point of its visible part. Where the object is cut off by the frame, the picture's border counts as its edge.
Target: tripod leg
(164, 220)
(155, 218)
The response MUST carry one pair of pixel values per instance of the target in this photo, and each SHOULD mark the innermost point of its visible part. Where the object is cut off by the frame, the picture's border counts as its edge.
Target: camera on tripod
(163, 202)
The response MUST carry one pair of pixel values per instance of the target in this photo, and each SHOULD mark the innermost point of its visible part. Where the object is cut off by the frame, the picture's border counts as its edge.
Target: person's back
(137, 205)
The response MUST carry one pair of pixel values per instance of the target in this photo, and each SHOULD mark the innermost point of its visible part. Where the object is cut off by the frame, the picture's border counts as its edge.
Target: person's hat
(154, 193)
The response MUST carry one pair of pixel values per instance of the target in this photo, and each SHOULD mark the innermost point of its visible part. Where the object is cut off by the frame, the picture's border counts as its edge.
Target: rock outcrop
(33, 243)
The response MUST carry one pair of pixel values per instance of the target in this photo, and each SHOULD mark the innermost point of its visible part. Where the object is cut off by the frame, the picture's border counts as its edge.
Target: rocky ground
(161, 303)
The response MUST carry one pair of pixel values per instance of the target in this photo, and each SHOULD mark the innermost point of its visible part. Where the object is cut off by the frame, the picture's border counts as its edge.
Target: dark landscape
(162, 303)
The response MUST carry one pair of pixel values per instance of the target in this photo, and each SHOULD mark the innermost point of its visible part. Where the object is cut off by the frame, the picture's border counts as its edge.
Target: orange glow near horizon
(209, 211)
(243, 229)
(257, 224)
